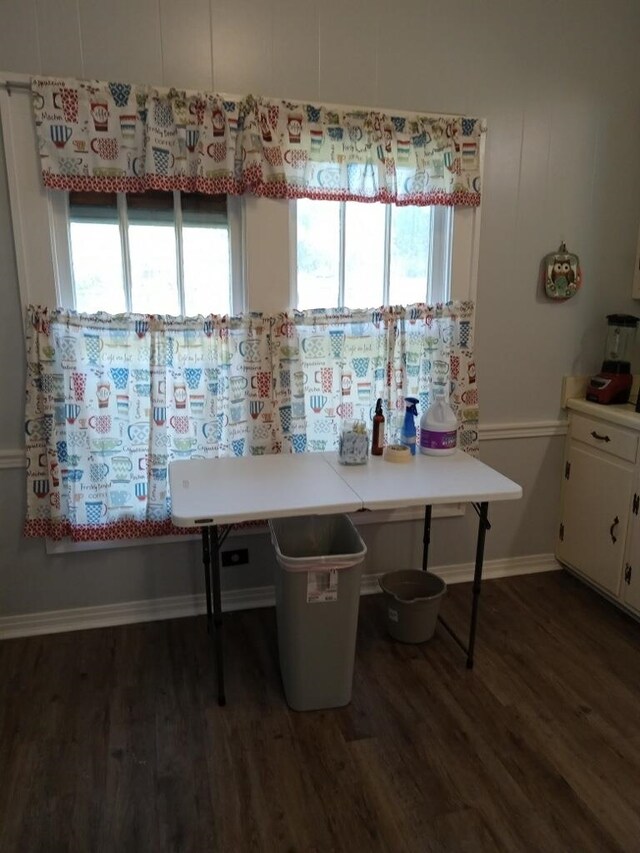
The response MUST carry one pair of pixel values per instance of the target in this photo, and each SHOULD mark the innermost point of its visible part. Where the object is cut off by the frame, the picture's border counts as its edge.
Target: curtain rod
(15, 84)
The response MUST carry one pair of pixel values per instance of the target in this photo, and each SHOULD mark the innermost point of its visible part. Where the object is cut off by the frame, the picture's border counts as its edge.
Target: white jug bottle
(438, 427)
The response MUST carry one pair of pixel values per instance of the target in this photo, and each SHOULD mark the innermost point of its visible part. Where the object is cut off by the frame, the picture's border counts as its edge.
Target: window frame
(61, 239)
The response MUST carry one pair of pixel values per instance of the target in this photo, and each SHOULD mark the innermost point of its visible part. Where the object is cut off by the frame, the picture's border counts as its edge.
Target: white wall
(558, 83)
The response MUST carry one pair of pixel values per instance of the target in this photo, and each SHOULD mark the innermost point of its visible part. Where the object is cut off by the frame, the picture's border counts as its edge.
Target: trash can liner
(316, 543)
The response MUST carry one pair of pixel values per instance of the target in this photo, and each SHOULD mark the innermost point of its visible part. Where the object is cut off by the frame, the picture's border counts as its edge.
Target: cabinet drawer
(606, 437)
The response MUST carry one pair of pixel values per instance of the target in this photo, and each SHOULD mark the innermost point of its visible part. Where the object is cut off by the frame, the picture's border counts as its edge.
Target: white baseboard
(107, 615)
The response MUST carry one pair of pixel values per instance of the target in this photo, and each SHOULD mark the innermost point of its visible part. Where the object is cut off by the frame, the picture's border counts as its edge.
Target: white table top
(228, 491)
(458, 478)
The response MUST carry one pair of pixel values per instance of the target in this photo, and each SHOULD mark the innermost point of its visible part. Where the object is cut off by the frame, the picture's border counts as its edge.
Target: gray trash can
(413, 600)
(317, 600)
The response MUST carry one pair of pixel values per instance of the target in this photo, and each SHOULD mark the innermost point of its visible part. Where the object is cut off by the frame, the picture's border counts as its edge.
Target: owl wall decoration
(562, 274)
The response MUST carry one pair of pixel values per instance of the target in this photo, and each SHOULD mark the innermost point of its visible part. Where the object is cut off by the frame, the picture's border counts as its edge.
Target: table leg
(426, 537)
(217, 610)
(206, 561)
(483, 526)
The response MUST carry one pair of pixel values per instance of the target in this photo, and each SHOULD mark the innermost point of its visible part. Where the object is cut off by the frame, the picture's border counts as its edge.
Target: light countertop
(623, 415)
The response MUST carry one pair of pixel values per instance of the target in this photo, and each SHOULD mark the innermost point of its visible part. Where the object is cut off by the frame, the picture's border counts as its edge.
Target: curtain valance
(118, 137)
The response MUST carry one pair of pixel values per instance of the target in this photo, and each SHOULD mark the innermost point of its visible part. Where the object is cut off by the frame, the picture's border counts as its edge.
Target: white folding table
(218, 493)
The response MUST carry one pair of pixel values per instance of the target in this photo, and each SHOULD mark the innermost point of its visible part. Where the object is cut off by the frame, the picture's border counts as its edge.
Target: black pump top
(379, 406)
(623, 320)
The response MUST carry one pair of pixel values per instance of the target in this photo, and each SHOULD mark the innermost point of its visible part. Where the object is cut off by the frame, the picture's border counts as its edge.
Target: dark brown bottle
(377, 441)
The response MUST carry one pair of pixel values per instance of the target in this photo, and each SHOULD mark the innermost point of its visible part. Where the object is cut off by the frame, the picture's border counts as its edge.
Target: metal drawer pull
(616, 521)
(600, 437)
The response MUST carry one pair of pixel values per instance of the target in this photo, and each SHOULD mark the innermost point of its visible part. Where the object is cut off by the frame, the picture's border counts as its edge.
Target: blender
(613, 383)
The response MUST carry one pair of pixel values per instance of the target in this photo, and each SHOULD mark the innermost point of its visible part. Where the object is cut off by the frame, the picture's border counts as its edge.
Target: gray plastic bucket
(413, 600)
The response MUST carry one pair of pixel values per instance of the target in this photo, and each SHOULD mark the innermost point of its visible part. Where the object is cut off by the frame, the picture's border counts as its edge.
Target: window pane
(97, 267)
(154, 285)
(410, 241)
(207, 280)
(364, 255)
(318, 226)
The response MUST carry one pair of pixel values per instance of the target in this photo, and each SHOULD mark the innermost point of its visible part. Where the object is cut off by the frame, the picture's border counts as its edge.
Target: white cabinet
(599, 531)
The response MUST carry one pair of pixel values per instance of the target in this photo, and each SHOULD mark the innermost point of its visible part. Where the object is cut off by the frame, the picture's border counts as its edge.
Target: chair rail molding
(16, 458)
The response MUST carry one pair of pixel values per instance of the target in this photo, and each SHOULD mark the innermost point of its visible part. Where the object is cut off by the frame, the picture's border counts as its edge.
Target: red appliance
(613, 383)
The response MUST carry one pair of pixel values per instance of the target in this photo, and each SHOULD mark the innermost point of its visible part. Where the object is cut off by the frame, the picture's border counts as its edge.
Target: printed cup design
(192, 137)
(255, 408)
(360, 367)
(100, 423)
(238, 446)
(193, 376)
(103, 393)
(93, 348)
(140, 491)
(96, 511)
(118, 497)
(180, 423)
(217, 151)
(345, 384)
(67, 101)
(128, 126)
(120, 377)
(317, 402)
(299, 442)
(324, 377)
(98, 471)
(465, 332)
(120, 93)
(196, 403)
(122, 405)
(62, 452)
(107, 149)
(162, 113)
(297, 409)
(79, 384)
(336, 341)
(249, 350)
(314, 347)
(180, 395)
(121, 467)
(138, 433)
(41, 488)
(71, 412)
(53, 383)
(100, 115)
(60, 134)
(285, 380)
(163, 160)
(159, 415)
(285, 418)
(261, 381)
(345, 410)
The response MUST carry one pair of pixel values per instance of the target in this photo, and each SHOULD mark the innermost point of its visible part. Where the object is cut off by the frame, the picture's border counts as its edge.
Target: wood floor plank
(112, 739)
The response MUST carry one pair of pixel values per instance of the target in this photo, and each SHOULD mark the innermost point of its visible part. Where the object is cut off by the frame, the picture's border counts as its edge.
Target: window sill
(65, 546)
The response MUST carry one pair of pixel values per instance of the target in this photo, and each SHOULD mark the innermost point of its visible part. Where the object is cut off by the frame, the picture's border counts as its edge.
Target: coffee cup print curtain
(120, 137)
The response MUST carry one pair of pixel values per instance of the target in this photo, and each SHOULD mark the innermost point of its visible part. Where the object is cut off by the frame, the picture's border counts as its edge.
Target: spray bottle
(408, 431)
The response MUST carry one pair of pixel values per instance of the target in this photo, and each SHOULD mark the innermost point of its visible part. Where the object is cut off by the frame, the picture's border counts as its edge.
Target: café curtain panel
(118, 137)
(111, 400)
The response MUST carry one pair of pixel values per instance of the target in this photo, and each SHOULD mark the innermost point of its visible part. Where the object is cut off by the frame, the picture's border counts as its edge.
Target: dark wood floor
(111, 740)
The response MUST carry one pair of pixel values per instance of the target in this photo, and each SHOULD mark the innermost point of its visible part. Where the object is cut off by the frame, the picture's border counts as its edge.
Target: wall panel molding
(130, 612)
(488, 432)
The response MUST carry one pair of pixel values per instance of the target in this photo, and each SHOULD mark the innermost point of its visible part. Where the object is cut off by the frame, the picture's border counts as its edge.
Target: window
(157, 252)
(358, 255)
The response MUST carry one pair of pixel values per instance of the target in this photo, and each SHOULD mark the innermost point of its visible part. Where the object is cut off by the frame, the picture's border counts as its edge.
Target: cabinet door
(595, 513)
(630, 591)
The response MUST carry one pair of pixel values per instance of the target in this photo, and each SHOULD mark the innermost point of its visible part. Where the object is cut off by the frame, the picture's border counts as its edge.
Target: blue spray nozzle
(412, 402)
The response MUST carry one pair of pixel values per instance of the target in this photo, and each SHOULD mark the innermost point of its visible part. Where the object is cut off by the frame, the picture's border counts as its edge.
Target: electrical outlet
(235, 558)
